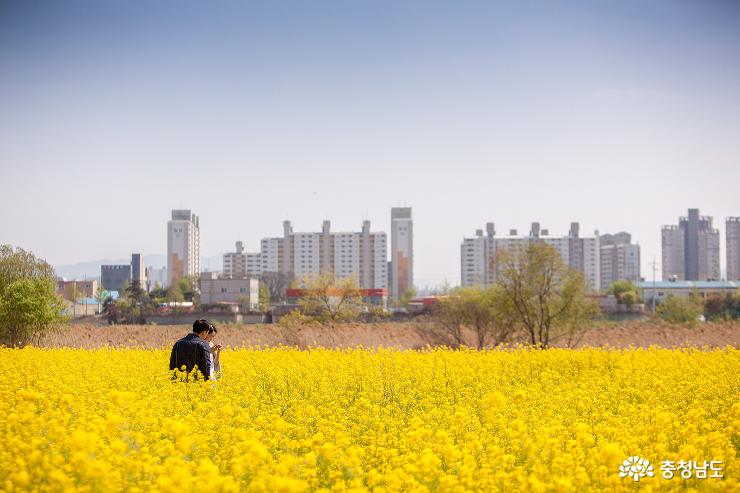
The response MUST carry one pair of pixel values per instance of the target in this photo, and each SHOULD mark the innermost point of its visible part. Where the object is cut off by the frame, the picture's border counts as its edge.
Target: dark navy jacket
(191, 351)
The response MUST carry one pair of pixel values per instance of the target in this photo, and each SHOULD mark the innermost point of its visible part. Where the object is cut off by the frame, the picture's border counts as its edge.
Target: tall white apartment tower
(620, 259)
(402, 251)
(732, 239)
(271, 254)
(477, 256)
(183, 245)
(301, 255)
(672, 253)
(373, 258)
(360, 254)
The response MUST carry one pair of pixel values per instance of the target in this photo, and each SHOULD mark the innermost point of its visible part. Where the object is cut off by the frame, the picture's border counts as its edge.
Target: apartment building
(361, 254)
(402, 251)
(115, 277)
(138, 271)
(478, 254)
(732, 247)
(235, 263)
(690, 250)
(183, 245)
(619, 259)
(79, 289)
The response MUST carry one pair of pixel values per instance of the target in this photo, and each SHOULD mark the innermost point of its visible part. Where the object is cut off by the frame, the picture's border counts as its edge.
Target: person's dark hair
(201, 325)
(212, 329)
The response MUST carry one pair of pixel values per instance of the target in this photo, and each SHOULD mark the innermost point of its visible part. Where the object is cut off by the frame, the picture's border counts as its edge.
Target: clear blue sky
(620, 115)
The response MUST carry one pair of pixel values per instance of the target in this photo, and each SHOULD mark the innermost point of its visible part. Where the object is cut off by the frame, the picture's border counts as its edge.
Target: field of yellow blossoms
(372, 420)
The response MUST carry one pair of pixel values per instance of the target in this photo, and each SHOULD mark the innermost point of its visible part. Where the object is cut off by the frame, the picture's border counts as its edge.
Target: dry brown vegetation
(404, 335)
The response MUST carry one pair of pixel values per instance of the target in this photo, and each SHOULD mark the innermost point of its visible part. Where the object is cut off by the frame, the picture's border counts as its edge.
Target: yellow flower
(367, 420)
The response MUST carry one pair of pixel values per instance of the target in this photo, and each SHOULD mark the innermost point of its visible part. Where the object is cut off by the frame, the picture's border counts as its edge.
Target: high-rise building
(732, 246)
(183, 245)
(254, 264)
(690, 250)
(478, 254)
(271, 254)
(138, 271)
(672, 252)
(341, 254)
(620, 259)
(402, 251)
(115, 277)
(235, 263)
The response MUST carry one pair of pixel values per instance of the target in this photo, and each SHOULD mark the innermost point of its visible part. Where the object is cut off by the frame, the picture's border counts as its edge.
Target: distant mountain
(91, 269)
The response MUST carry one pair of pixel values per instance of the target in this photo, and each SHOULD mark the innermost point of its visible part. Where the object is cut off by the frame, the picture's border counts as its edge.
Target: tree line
(535, 298)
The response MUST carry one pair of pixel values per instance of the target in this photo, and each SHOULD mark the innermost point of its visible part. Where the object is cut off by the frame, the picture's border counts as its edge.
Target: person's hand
(217, 348)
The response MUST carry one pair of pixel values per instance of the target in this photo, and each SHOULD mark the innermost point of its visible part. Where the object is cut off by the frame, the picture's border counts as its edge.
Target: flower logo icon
(636, 468)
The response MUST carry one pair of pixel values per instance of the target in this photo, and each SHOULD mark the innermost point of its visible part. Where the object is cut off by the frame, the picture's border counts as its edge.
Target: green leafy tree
(174, 296)
(540, 294)
(134, 303)
(677, 310)
(264, 296)
(101, 296)
(29, 306)
(158, 294)
(628, 298)
(625, 292)
(186, 285)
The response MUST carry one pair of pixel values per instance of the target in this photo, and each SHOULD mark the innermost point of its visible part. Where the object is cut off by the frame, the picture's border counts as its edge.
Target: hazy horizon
(619, 116)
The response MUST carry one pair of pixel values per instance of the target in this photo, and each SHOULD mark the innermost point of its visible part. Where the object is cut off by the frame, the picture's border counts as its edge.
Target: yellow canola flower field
(367, 420)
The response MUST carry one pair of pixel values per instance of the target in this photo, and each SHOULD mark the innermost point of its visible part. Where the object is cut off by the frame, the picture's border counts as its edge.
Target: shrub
(680, 310)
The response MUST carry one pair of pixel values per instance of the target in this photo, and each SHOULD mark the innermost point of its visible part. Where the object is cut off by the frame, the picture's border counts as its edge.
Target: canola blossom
(369, 420)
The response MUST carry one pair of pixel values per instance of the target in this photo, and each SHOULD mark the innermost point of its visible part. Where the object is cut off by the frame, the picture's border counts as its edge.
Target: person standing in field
(215, 353)
(193, 351)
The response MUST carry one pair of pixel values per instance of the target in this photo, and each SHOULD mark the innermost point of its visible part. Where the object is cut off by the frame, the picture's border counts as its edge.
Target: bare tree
(478, 309)
(328, 300)
(277, 283)
(449, 317)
